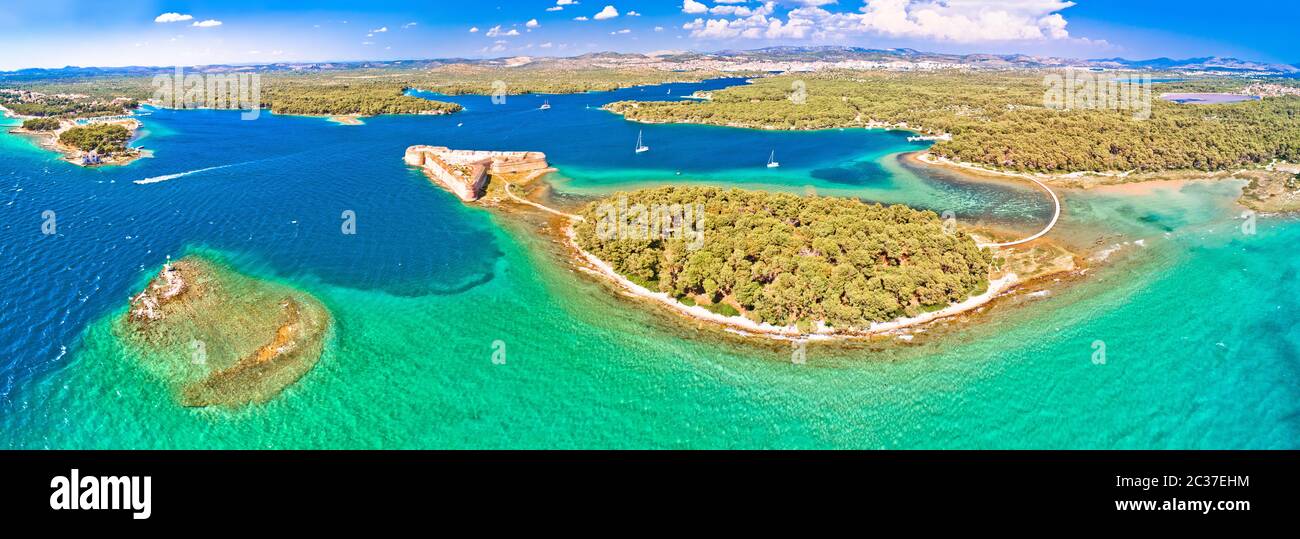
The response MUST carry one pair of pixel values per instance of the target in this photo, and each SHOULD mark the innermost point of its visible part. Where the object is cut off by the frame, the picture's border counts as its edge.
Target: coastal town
(88, 132)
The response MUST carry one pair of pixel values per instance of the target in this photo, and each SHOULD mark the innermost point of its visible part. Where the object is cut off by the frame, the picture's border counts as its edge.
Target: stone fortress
(466, 172)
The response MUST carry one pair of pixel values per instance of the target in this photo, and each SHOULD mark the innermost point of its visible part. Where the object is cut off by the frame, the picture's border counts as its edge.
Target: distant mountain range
(996, 61)
(826, 54)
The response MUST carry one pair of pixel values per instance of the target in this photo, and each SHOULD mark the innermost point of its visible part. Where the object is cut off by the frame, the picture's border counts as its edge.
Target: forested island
(1000, 120)
(786, 260)
(360, 98)
(104, 139)
(42, 124)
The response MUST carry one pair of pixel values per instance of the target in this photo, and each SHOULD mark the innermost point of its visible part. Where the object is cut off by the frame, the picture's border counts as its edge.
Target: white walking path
(1056, 216)
(539, 206)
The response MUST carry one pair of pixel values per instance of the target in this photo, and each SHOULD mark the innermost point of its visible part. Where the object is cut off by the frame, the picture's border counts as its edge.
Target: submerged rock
(222, 338)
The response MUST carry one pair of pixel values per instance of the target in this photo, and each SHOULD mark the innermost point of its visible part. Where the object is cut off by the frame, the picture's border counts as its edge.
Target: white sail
(640, 145)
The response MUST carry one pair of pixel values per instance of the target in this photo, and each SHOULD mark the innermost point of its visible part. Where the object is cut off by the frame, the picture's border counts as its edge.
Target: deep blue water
(1198, 318)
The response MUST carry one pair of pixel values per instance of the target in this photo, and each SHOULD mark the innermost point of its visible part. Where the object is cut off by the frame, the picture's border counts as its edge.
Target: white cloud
(581, 18)
(380, 30)
(694, 8)
(207, 24)
(172, 17)
(739, 11)
(408, 25)
(532, 23)
(633, 14)
(608, 13)
(964, 21)
(497, 31)
(473, 30)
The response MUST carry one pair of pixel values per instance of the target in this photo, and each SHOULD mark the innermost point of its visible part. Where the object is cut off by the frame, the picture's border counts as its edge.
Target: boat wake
(167, 177)
(331, 149)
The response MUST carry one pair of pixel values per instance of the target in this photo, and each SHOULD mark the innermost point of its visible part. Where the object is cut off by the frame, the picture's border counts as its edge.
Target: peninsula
(98, 142)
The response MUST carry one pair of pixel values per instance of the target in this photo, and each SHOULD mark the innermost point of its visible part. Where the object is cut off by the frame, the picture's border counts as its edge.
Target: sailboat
(546, 105)
(771, 161)
(640, 145)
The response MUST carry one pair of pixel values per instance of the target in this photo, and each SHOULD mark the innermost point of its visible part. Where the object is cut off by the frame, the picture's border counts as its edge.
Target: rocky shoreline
(223, 339)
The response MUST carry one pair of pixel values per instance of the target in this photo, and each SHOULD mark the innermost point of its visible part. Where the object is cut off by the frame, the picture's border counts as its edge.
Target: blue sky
(55, 33)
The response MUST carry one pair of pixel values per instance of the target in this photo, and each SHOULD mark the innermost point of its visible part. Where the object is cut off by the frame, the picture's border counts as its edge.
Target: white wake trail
(159, 179)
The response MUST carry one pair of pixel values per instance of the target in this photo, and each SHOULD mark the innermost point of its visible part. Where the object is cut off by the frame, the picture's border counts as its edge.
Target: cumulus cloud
(497, 31)
(608, 13)
(965, 21)
(207, 24)
(172, 17)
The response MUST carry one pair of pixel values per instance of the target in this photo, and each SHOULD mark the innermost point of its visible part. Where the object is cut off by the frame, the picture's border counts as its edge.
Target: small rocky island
(224, 339)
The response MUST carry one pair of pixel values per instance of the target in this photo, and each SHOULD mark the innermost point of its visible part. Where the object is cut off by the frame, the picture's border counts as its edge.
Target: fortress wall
(446, 166)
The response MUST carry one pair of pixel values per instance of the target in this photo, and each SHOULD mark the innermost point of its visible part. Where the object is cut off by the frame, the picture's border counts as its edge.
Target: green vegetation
(64, 106)
(1000, 120)
(783, 259)
(366, 98)
(41, 124)
(106, 139)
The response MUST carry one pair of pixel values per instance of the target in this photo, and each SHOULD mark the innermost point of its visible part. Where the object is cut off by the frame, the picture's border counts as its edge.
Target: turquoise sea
(1198, 319)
